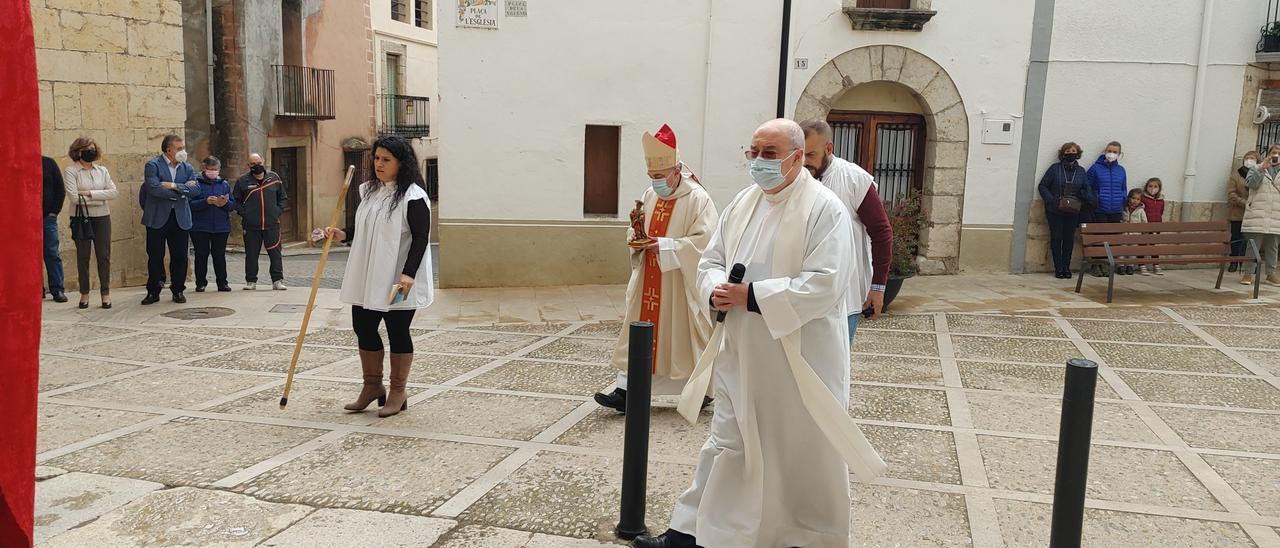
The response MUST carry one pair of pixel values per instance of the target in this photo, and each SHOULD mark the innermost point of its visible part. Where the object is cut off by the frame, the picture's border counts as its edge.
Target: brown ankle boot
(371, 364)
(397, 399)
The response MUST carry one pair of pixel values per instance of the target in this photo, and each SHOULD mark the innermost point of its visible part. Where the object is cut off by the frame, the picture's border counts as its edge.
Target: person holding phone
(211, 224)
(1262, 213)
(388, 275)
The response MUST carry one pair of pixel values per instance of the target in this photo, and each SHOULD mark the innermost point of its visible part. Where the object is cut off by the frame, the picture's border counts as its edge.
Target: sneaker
(278, 285)
(1273, 279)
(224, 288)
(250, 286)
(1143, 270)
(1159, 271)
(1246, 279)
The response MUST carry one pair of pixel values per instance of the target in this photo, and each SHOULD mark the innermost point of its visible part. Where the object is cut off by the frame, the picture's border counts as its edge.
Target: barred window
(422, 14)
(400, 10)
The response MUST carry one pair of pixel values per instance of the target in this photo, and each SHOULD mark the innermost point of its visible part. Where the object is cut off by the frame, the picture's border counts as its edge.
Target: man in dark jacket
(260, 198)
(54, 194)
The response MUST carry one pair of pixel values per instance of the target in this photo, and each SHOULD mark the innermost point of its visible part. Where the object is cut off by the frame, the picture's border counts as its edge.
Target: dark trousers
(1100, 217)
(254, 240)
(365, 323)
(1062, 238)
(101, 247)
(206, 244)
(175, 238)
(1238, 245)
(52, 257)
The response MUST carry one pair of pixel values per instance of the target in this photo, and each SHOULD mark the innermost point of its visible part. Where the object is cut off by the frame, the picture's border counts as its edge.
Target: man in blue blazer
(168, 182)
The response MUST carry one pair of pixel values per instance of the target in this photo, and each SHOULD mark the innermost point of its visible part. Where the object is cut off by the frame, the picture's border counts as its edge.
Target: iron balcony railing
(304, 92)
(1270, 40)
(404, 115)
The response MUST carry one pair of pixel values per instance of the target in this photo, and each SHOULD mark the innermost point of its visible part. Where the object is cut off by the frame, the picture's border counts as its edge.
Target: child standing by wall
(1134, 212)
(1153, 204)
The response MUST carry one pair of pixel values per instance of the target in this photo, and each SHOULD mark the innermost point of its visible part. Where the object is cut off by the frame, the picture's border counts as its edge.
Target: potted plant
(908, 218)
(1270, 37)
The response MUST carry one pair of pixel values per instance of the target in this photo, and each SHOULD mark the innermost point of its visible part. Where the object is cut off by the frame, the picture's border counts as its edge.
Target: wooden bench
(1115, 244)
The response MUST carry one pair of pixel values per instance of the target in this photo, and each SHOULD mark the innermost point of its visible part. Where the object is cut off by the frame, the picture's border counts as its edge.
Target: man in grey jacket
(168, 181)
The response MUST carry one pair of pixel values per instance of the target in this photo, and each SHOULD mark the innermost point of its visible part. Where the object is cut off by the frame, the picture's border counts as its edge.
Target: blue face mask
(661, 188)
(768, 173)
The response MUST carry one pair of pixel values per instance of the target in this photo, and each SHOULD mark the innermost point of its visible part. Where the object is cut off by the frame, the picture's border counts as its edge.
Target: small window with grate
(1268, 134)
(885, 4)
(422, 14)
(400, 10)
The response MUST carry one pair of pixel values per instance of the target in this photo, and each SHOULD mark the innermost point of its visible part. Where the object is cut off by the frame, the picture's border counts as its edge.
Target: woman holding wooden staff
(388, 275)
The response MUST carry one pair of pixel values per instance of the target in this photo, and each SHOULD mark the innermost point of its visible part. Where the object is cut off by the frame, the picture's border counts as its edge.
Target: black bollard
(635, 449)
(1073, 453)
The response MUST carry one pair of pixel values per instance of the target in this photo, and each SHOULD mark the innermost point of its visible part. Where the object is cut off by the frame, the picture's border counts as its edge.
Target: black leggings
(365, 323)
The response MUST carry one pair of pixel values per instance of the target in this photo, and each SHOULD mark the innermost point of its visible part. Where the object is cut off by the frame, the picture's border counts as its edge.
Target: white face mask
(768, 173)
(661, 188)
(181, 156)
(1251, 163)
(1112, 156)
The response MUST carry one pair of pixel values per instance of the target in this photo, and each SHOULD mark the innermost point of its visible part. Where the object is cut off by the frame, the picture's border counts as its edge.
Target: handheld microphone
(735, 277)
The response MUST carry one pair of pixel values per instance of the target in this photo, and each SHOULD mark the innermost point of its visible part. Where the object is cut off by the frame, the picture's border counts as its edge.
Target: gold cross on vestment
(660, 214)
(651, 299)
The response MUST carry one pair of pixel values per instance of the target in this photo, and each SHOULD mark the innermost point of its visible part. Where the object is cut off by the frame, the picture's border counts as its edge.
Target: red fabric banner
(20, 285)
(651, 299)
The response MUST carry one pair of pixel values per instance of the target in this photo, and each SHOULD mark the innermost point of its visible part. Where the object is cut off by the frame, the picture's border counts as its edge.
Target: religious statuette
(639, 239)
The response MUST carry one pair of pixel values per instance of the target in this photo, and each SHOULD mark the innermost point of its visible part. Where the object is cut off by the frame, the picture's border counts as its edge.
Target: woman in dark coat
(1065, 190)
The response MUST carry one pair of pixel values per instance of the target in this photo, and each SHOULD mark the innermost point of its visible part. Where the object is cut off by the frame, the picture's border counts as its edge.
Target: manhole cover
(200, 313)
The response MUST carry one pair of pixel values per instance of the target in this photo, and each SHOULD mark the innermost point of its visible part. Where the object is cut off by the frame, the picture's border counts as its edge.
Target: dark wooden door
(360, 159)
(284, 161)
(889, 146)
(600, 187)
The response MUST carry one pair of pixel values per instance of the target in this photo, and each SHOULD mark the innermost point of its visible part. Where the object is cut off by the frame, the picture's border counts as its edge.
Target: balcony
(304, 93)
(404, 115)
(908, 15)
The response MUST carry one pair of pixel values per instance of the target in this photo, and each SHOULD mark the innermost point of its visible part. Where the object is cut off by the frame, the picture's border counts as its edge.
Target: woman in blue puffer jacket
(1110, 184)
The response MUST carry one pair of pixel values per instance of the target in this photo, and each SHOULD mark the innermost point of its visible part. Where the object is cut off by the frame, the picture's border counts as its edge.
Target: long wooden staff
(315, 285)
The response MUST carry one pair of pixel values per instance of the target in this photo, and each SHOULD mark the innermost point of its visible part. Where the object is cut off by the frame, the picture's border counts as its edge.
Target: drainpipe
(784, 51)
(706, 89)
(1197, 108)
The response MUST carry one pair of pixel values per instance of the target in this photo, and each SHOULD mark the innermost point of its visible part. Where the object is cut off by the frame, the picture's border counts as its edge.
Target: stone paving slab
(70, 500)
(1043, 416)
(186, 451)
(1246, 337)
(547, 377)
(1196, 390)
(605, 330)
(1135, 332)
(63, 335)
(1031, 379)
(672, 436)
(1235, 431)
(895, 404)
(550, 328)
(158, 348)
(1270, 361)
(912, 454)
(1027, 524)
(894, 370)
(1168, 358)
(175, 388)
(186, 517)
(62, 425)
(48, 472)
(978, 324)
(61, 371)
(245, 333)
(484, 344)
(382, 473)
(900, 322)
(426, 369)
(477, 536)
(899, 343)
(1119, 312)
(1115, 473)
(274, 358)
(309, 400)
(1229, 315)
(885, 516)
(1048, 351)
(577, 350)
(471, 414)
(1257, 480)
(584, 492)
(335, 527)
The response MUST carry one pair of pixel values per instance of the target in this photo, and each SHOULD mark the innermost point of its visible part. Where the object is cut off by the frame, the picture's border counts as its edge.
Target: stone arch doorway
(946, 133)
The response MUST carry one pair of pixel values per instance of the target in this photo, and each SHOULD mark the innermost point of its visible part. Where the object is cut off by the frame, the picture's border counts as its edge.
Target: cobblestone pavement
(155, 431)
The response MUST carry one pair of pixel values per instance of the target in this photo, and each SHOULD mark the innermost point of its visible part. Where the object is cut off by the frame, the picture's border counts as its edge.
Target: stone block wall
(111, 70)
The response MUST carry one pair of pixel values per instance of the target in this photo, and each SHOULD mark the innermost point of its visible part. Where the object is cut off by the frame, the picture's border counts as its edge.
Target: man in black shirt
(54, 194)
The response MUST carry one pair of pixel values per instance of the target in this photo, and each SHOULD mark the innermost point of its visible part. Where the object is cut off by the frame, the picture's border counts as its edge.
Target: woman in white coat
(1262, 211)
(388, 275)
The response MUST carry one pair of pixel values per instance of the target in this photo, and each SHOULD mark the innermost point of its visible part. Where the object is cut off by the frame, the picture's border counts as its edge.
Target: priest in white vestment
(679, 219)
(775, 470)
